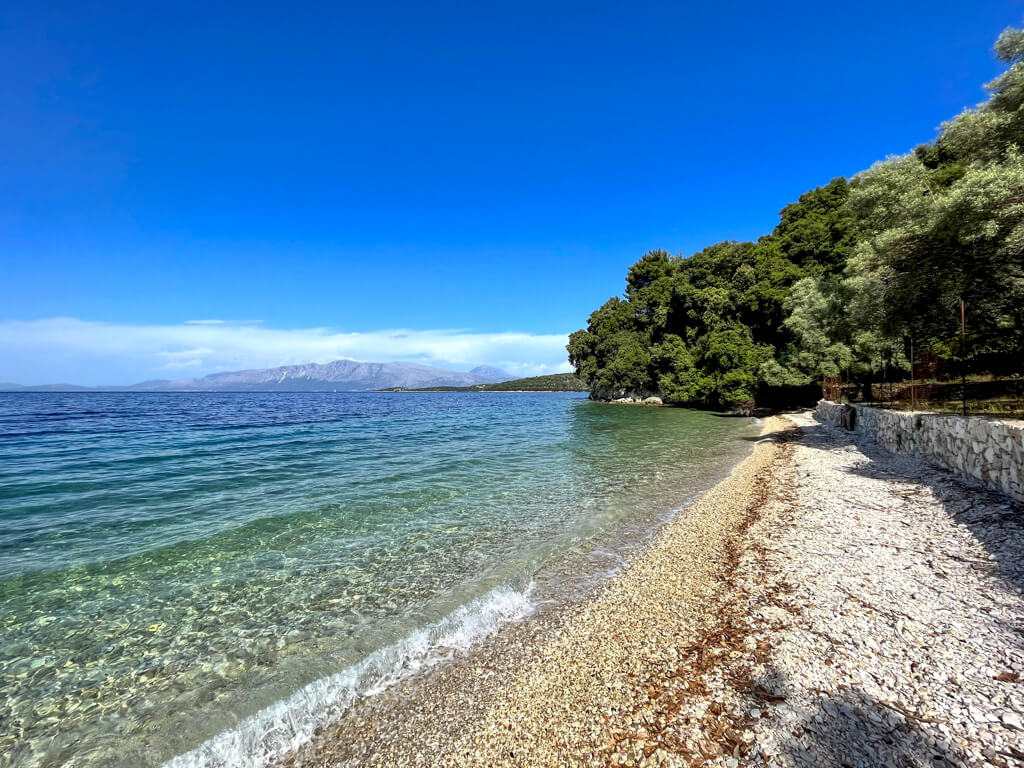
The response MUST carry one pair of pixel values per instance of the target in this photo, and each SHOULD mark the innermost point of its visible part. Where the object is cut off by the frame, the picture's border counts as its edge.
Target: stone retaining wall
(988, 450)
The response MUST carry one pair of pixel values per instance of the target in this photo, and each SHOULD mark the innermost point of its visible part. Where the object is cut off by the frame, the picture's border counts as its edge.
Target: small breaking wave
(286, 725)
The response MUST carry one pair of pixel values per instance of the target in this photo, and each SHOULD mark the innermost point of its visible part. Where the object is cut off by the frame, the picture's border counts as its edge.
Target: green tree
(730, 360)
(851, 271)
(946, 224)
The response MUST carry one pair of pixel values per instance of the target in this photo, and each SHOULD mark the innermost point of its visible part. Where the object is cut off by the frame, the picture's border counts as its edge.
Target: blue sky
(434, 181)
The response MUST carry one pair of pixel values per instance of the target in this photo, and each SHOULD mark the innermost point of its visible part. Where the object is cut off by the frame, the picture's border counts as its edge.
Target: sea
(201, 580)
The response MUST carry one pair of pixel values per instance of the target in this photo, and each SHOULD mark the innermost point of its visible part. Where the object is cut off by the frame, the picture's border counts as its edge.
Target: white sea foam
(284, 726)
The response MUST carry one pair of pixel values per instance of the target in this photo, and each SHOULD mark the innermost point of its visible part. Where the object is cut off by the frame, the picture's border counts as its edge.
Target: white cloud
(185, 353)
(88, 352)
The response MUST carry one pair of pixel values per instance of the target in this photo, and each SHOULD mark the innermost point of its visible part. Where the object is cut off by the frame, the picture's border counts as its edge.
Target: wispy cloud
(90, 352)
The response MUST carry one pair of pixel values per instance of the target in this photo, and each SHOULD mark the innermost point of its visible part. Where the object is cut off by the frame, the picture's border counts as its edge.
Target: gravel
(900, 639)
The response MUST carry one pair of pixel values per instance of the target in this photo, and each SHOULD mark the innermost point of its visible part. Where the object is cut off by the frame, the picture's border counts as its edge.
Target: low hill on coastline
(556, 382)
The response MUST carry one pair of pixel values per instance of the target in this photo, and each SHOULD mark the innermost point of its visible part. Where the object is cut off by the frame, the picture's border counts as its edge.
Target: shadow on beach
(852, 727)
(856, 731)
(996, 521)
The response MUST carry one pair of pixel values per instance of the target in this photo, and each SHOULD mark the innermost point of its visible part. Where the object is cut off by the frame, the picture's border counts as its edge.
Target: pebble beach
(829, 603)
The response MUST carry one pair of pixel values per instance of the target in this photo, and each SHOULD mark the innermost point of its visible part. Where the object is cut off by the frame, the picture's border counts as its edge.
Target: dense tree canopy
(853, 272)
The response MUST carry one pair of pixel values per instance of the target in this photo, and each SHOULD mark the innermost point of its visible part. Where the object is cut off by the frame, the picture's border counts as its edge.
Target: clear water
(202, 579)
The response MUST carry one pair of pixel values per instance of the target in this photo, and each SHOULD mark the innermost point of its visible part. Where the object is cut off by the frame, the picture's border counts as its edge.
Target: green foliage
(730, 360)
(700, 330)
(819, 231)
(678, 378)
(852, 273)
(946, 224)
(611, 355)
(819, 347)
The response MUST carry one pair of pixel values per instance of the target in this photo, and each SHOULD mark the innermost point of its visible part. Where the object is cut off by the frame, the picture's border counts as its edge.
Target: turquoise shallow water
(205, 578)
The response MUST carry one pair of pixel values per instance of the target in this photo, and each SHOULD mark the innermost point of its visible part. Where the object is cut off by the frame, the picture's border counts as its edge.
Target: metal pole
(963, 354)
(885, 380)
(891, 382)
(913, 388)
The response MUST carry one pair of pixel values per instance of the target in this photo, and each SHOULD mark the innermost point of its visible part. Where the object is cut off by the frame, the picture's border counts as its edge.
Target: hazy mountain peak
(491, 373)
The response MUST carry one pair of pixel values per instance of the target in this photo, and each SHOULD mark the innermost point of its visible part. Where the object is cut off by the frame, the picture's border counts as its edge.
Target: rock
(652, 401)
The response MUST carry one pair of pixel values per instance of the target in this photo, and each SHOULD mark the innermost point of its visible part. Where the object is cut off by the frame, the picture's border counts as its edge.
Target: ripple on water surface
(179, 570)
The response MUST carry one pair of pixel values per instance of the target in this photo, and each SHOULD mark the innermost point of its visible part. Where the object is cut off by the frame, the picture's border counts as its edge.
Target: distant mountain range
(341, 375)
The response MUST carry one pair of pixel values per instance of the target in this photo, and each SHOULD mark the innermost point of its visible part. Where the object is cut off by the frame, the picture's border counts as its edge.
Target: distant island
(556, 382)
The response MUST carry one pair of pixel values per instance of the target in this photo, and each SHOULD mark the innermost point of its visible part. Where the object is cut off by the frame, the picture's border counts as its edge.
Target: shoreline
(569, 572)
(426, 719)
(828, 603)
